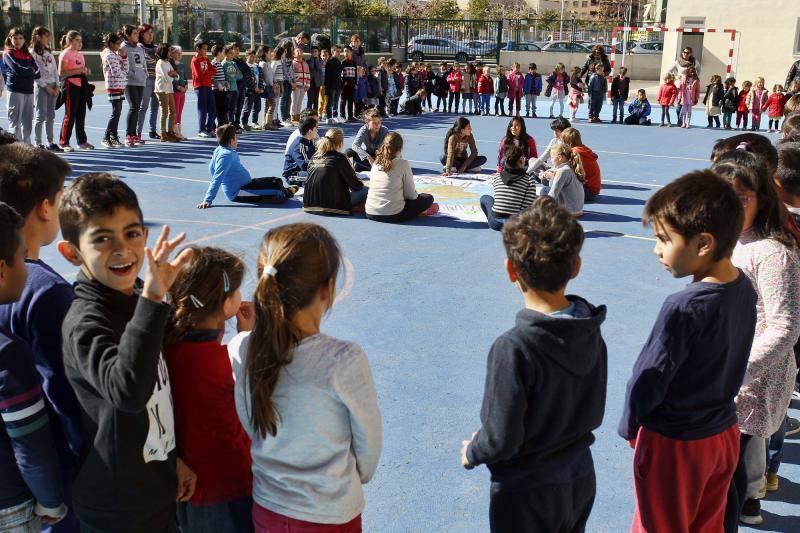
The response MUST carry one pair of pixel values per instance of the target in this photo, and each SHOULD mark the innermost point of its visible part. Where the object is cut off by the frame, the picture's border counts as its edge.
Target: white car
(566, 46)
(653, 47)
(424, 47)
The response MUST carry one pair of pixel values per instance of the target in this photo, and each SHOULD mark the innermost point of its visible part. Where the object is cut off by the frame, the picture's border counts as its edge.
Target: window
(585, 3)
(797, 38)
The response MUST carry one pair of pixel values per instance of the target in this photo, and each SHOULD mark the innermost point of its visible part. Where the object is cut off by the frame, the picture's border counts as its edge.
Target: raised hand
(161, 272)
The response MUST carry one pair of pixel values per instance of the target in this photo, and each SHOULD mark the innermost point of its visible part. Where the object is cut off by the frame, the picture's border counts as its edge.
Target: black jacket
(373, 87)
(545, 393)
(731, 100)
(112, 358)
(717, 95)
(440, 85)
(330, 180)
(794, 74)
(384, 80)
(412, 106)
(248, 80)
(333, 75)
(620, 87)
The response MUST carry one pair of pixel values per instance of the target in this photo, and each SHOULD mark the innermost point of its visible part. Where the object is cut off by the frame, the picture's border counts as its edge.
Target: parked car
(651, 47)
(423, 47)
(514, 46)
(481, 46)
(213, 37)
(566, 46)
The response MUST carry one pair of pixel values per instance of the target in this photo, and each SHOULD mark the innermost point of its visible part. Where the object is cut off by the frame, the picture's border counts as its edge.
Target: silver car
(653, 47)
(425, 47)
(566, 46)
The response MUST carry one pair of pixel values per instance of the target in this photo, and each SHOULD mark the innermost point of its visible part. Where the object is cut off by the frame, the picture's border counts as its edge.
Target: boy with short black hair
(300, 152)
(532, 88)
(31, 491)
(598, 86)
(535, 438)
(557, 125)
(620, 87)
(113, 335)
(679, 412)
(639, 110)
(787, 181)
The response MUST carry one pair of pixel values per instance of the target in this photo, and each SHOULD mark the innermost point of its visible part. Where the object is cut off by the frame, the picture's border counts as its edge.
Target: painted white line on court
(143, 173)
(234, 231)
(206, 222)
(618, 234)
(652, 185)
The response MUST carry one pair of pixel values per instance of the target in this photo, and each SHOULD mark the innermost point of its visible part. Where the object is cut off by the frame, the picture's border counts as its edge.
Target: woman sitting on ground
(514, 190)
(457, 142)
(332, 187)
(368, 139)
(392, 196)
(413, 104)
(228, 172)
(517, 135)
(591, 170)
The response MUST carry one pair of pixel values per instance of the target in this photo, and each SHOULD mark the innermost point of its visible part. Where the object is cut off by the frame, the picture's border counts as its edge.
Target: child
(500, 91)
(534, 438)
(252, 103)
(203, 73)
(532, 88)
(164, 91)
(639, 110)
(743, 107)
(299, 389)
(332, 187)
(756, 100)
(233, 77)
(557, 126)
(246, 84)
(221, 85)
(591, 179)
(679, 411)
(332, 86)
(373, 89)
(228, 172)
(137, 80)
(667, 94)
(31, 182)
(787, 181)
(454, 80)
(688, 97)
(565, 179)
(76, 92)
(516, 82)
(774, 107)
(300, 151)
(150, 100)
(793, 89)
(468, 85)
(208, 433)
(516, 135)
(413, 105)
(179, 87)
(361, 91)
(485, 90)
(349, 85)
(557, 83)
(324, 97)
(457, 142)
(479, 68)
(514, 190)
(268, 85)
(115, 71)
(383, 77)
(441, 87)
(729, 102)
(715, 94)
(302, 80)
(32, 487)
(430, 84)
(598, 87)
(315, 69)
(21, 70)
(113, 335)
(576, 87)
(45, 92)
(619, 94)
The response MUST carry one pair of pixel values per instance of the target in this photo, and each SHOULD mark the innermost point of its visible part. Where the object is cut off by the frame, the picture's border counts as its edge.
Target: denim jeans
(224, 517)
(495, 223)
(20, 519)
(206, 110)
(286, 101)
(149, 101)
(775, 447)
(618, 103)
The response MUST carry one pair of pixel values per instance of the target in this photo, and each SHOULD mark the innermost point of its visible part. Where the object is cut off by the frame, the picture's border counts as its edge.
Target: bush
(321, 41)
(213, 37)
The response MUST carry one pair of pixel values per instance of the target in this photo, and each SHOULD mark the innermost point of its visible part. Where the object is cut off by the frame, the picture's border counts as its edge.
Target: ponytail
(294, 262)
(577, 166)
(389, 151)
(332, 141)
(68, 37)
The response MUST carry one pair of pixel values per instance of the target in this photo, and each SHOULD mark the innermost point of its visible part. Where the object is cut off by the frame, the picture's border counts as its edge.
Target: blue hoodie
(639, 108)
(361, 91)
(20, 70)
(226, 171)
(532, 84)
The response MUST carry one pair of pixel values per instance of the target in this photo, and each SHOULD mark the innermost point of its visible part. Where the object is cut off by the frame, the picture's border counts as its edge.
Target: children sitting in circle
(332, 187)
(460, 151)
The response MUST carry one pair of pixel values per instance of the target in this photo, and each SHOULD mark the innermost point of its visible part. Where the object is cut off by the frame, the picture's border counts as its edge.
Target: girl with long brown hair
(20, 71)
(45, 92)
(72, 68)
(332, 187)
(306, 399)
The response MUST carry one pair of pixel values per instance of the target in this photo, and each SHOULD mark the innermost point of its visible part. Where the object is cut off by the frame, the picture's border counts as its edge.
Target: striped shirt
(218, 82)
(511, 199)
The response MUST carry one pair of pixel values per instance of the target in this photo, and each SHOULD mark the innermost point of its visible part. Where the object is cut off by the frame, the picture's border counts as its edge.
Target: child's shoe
(85, 146)
(66, 148)
(106, 143)
(772, 482)
(153, 135)
(53, 147)
(432, 210)
(139, 140)
(751, 513)
(130, 141)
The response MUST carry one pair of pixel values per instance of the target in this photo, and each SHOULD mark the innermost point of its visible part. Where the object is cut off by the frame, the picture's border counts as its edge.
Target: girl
(715, 94)
(289, 84)
(556, 86)
(228, 172)
(430, 79)
(485, 90)
(268, 80)
(135, 85)
(392, 196)
(220, 85)
(516, 135)
(202, 82)
(767, 253)
(164, 91)
(454, 80)
(513, 190)
(332, 187)
(349, 84)
(45, 92)
(278, 78)
(588, 163)
(515, 82)
(307, 400)
(475, 95)
(72, 68)
(457, 142)
(730, 102)
(20, 71)
(667, 94)
(468, 83)
(755, 101)
(115, 72)
(149, 98)
(743, 106)
(688, 97)
(179, 87)
(774, 107)
(302, 78)
(565, 178)
(315, 66)
(233, 75)
(441, 87)
(362, 90)
(204, 296)
(576, 87)
(500, 91)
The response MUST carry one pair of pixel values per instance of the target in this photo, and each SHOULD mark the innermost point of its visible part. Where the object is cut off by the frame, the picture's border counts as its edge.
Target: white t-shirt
(163, 79)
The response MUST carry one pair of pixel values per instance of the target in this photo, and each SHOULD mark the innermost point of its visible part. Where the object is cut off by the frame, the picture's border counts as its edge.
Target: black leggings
(501, 103)
(221, 104)
(133, 95)
(775, 122)
(74, 114)
(113, 122)
(262, 184)
(361, 165)
(713, 121)
(665, 114)
(453, 97)
(411, 210)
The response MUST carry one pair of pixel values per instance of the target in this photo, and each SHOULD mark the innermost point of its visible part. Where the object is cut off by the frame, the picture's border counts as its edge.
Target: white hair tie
(268, 271)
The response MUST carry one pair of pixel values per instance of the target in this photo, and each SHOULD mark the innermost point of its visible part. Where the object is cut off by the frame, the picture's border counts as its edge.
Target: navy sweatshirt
(545, 393)
(692, 365)
(298, 156)
(20, 70)
(29, 466)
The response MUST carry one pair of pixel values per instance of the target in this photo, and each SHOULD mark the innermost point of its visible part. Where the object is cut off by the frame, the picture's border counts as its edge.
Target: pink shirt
(70, 59)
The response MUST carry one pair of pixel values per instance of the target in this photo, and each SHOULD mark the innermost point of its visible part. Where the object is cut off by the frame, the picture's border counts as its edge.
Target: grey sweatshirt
(362, 144)
(137, 67)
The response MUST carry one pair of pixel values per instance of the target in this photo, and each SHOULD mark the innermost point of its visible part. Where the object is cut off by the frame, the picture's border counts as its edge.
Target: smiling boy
(112, 356)
(679, 409)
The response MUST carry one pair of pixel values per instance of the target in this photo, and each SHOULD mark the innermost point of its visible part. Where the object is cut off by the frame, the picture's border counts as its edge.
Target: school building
(767, 38)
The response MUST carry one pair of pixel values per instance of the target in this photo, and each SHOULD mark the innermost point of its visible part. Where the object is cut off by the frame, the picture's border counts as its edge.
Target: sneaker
(246, 127)
(772, 481)
(139, 140)
(130, 141)
(66, 148)
(85, 146)
(203, 135)
(53, 147)
(432, 210)
(762, 491)
(255, 127)
(287, 124)
(116, 142)
(792, 426)
(751, 513)
(106, 143)
(153, 135)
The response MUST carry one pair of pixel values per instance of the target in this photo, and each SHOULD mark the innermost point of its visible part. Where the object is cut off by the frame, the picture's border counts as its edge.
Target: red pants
(682, 485)
(265, 521)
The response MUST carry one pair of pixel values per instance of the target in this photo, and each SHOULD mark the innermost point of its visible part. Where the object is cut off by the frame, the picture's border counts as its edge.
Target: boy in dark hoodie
(440, 86)
(679, 413)
(535, 438)
(113, 335)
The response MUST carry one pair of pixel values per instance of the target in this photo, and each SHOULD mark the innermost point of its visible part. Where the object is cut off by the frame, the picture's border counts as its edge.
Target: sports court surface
(426, 299)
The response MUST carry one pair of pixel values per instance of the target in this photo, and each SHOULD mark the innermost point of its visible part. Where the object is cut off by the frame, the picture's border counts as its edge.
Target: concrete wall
(640, 67)
(766, 40)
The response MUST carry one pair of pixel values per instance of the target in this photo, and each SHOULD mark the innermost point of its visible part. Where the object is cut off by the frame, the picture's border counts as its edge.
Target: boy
(639, 110)
(246, 84)
(441, 87)
(557, 125)
(532, 89)
(362, 91)
(729, 102)
(787, 181)
(383, 76)
(301, 150)
(619, 94)
(535, 438)
(220, 86)
(202, 81)
(113, 333)
(333, 84)
(598, 86)
(324, 98)
(349, 86)
(252, 104)
(31, 182)
(679, 413)
(31, 491)
(316, 71)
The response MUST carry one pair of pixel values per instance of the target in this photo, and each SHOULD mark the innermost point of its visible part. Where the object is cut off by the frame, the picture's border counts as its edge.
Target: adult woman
(392, 196)
(517, 135)
(149, 98)
(597, 57)
(679, 68)
(368, 139)
(332, 187)
(457, 143)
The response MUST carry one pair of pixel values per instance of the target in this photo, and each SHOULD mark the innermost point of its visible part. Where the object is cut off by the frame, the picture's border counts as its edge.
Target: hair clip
(226, 282)
(195, 302)
(743, 146)
(268, 271)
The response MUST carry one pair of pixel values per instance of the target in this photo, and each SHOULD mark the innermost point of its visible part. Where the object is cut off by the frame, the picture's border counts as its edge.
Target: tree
(373, 8)
(438, 9)
(479, 9)
(548, 18)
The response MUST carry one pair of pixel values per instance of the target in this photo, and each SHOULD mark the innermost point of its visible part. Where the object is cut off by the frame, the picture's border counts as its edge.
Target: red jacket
(202, 72)
(515, 83)
(774, 105)
(742, 107)
(454, 79)
(529, 148)
(667, 94)
(485, 84)
(590, 168)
